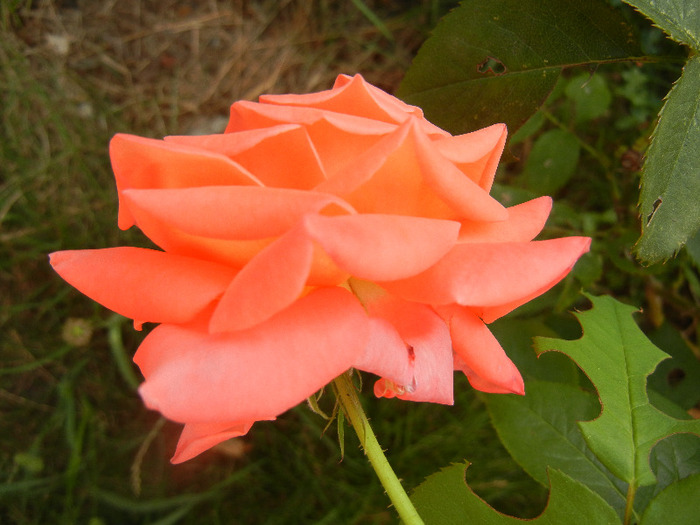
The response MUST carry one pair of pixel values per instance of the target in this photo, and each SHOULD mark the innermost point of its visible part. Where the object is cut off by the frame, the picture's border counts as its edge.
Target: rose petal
(263, 151)
(480, 356)
(233, 253)
(525, 221)
(254, 374)
(428, 185)
(199, 437)
(430, 351)
(146, 285)
(147, 163)
(463, 194)
(477, 153)
(338, 139)
(386, 354)
(354, 96)
(229, 212)
(382, 247)
(493, 274)
(271, 281)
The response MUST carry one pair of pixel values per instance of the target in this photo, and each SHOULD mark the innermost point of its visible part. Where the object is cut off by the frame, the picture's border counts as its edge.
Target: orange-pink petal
(386, 354)
(493, 274)
(382, 247)
(464, 195)
(429, 350)
(148, 163)
(199, 437)
(263, 152)
(229, 212)
(477, 153)
(479, 355)
(525, 221)
(197, 377)
(271, 281)
(145, 285)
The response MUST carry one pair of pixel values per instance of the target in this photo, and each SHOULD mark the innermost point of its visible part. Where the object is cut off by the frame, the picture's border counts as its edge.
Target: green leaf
(497, 61)
(678, 504)
(444, 498)
(671, 174)
(540, 431)
(590, 95)
(693, 247)
(680, 19)
(516, 337)
(617, 358)
(677, 379)
(552, 161)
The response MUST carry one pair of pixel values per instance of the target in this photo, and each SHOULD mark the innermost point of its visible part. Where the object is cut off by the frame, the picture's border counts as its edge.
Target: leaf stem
(349, 401)
(629, 506)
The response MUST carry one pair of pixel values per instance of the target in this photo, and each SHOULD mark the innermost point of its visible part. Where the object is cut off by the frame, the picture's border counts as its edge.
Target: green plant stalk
(347, 397)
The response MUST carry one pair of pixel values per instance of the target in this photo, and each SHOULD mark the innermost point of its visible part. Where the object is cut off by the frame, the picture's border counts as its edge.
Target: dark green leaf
(517, 336)
(678, 504)
(617, 358)
(445, 499)
(677, 379)
(680, 19)
(540, 430)
(552, 161)
(497, 61)
(671, 175)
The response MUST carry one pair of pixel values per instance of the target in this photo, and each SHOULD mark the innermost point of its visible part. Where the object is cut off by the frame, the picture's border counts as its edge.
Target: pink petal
(386, 354)
(233, 253)
(146, 285)
(229, 212)
(463, 194)
(255, 374)
(525, 221)
(147, 163)
(199, 437)
(493, 274)
(480, 356)
(429, 349)
(271, 281)
(403, 174)
(383, 247)
(263, 152)
(338, 139)
(354, 96)
(477, 153)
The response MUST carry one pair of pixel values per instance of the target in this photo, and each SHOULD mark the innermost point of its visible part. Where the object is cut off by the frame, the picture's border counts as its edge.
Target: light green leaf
(590, 95)
(445, 499)
(670, 197)
(678, 504)
(680, 19)
(540, 431)
(617, 358)
(552, 161)
(497, 61)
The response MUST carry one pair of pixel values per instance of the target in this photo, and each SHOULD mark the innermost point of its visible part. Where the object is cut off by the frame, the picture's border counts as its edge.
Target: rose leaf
(497, 61)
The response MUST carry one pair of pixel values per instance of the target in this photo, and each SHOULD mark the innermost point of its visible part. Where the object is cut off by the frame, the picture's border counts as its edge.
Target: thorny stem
(347, 396)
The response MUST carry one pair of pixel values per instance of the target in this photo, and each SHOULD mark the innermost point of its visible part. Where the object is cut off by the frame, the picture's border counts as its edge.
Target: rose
(318, 233)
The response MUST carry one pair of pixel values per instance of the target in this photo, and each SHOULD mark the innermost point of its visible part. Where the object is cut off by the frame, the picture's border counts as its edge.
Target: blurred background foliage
(77, 445)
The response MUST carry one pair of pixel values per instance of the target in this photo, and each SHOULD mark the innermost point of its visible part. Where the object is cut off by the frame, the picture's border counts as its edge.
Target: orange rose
(318, 233)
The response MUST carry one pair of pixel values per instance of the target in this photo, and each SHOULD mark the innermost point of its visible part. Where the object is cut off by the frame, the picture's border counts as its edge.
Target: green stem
(629, 506)
(347, 396)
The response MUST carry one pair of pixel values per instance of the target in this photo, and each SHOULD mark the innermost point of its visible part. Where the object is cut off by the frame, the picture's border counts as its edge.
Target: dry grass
(169, 65)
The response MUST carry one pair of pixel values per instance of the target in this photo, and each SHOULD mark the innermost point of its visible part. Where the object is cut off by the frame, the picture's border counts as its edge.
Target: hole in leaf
(657, 203)
(492, 66)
